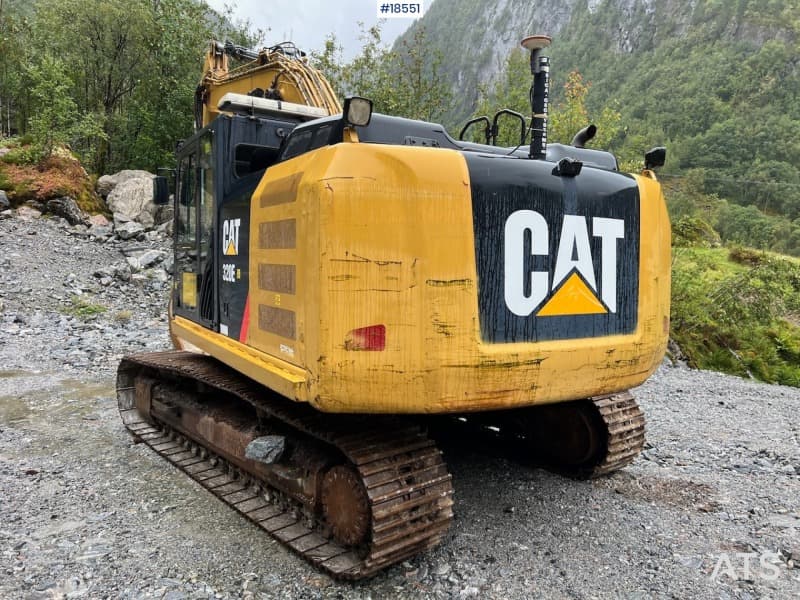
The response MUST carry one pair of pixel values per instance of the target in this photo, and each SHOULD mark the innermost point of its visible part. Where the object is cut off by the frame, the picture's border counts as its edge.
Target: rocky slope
(75, 298)
(85, 513)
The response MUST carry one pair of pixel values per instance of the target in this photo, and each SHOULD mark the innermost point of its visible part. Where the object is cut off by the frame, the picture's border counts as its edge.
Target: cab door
(194, 292)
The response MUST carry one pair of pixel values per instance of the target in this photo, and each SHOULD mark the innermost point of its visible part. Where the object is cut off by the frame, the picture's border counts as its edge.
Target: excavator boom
(280, 72)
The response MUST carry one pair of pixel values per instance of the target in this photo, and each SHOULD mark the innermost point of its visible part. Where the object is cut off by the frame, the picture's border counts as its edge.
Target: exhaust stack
(539, 94)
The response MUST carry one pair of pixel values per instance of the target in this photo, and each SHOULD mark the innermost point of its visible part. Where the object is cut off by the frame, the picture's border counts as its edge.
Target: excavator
(343, 277)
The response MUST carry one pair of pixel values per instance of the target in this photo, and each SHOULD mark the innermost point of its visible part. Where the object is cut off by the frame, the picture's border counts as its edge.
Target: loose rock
(67, 208)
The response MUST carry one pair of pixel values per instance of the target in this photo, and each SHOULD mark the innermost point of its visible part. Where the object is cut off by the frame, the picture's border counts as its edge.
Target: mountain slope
(716, 81)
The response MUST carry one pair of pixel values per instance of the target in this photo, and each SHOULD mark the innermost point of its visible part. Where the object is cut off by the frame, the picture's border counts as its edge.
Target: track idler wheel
(345, 505)
(586, 438)
(571, 435)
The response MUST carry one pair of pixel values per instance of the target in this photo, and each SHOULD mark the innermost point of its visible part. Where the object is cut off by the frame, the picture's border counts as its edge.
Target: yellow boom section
(276, 73)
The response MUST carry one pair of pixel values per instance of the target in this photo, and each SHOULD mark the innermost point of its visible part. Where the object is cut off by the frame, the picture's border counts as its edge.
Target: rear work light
(366, 338)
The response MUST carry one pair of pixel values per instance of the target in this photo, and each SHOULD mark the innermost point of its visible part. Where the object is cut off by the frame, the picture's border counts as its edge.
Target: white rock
(134, 264)
(146, 219)
(158, 275)
(132, 197)
(26, 213)
(107, 183)
(129, 230)
(150, 258)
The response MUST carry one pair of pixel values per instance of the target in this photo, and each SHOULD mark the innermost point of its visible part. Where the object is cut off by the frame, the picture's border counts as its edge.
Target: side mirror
(656, 157)
(357, 111)
(160, 190)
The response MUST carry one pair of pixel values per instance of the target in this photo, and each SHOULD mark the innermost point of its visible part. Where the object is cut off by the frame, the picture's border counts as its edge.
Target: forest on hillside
(116, 84)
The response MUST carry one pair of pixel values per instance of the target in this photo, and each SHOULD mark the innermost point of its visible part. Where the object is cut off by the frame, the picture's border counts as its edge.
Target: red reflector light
(366, 338)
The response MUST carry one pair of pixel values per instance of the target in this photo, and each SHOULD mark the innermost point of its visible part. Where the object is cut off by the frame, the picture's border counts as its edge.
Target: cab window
(308, 139)
(298, 144)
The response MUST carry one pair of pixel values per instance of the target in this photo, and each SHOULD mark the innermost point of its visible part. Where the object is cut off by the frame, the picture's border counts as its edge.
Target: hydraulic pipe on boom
(280, 72)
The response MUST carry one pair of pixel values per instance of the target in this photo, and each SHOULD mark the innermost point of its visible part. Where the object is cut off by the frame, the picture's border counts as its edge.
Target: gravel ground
(711, 510)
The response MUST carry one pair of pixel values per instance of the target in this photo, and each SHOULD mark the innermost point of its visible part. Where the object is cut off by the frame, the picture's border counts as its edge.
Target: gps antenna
(540, 69)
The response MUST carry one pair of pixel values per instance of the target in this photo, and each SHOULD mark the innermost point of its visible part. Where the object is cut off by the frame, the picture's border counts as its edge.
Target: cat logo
(230, 237)
(573, 289)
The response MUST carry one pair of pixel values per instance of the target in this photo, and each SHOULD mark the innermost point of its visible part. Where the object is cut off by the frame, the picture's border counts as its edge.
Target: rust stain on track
(407, 483)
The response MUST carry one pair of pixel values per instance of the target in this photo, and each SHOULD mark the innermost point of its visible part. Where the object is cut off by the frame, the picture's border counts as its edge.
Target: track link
(407, 484)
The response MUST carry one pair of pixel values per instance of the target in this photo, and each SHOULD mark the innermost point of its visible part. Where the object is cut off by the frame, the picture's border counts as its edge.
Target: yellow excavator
(342, 276)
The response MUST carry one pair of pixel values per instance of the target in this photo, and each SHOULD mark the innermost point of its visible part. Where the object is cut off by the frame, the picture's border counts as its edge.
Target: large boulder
(107, 183)
(4, 203)
(133, 197)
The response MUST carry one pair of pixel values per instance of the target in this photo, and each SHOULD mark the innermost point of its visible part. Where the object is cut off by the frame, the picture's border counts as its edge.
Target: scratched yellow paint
(385, 237)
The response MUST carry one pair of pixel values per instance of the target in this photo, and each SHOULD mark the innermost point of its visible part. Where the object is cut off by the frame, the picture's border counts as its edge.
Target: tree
(566, 118)
(422, 92)
(13, 31)
(105, 47)
(406, 82)
(55, 119)
(571, 115)
(510, 91)
(130, 66)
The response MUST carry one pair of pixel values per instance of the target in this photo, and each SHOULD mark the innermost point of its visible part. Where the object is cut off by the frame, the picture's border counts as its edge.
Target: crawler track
(582, 439)
(624, 423)
(407, 485)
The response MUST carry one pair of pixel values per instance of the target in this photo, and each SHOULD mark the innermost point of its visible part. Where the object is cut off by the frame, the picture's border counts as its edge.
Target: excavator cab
(218, 169)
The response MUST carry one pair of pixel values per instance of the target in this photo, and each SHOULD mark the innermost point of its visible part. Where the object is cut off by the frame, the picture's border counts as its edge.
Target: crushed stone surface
(710, 510)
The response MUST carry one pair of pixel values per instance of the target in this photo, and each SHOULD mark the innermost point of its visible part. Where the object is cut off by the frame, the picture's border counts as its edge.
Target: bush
(55, 120)
(22, 155)
(734, 310)
(747, 256)
(694, 231)
(83, 308)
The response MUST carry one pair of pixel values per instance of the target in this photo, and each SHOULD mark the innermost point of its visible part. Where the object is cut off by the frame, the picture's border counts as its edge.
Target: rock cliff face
(475, 36)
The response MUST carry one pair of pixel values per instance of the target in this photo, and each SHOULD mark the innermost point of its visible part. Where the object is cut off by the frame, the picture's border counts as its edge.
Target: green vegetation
(375, 72)
(25, 176)
(82, 308)
(706, 219)
(738, 311)
(715, 82)
(566, 117)
(116, 84)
